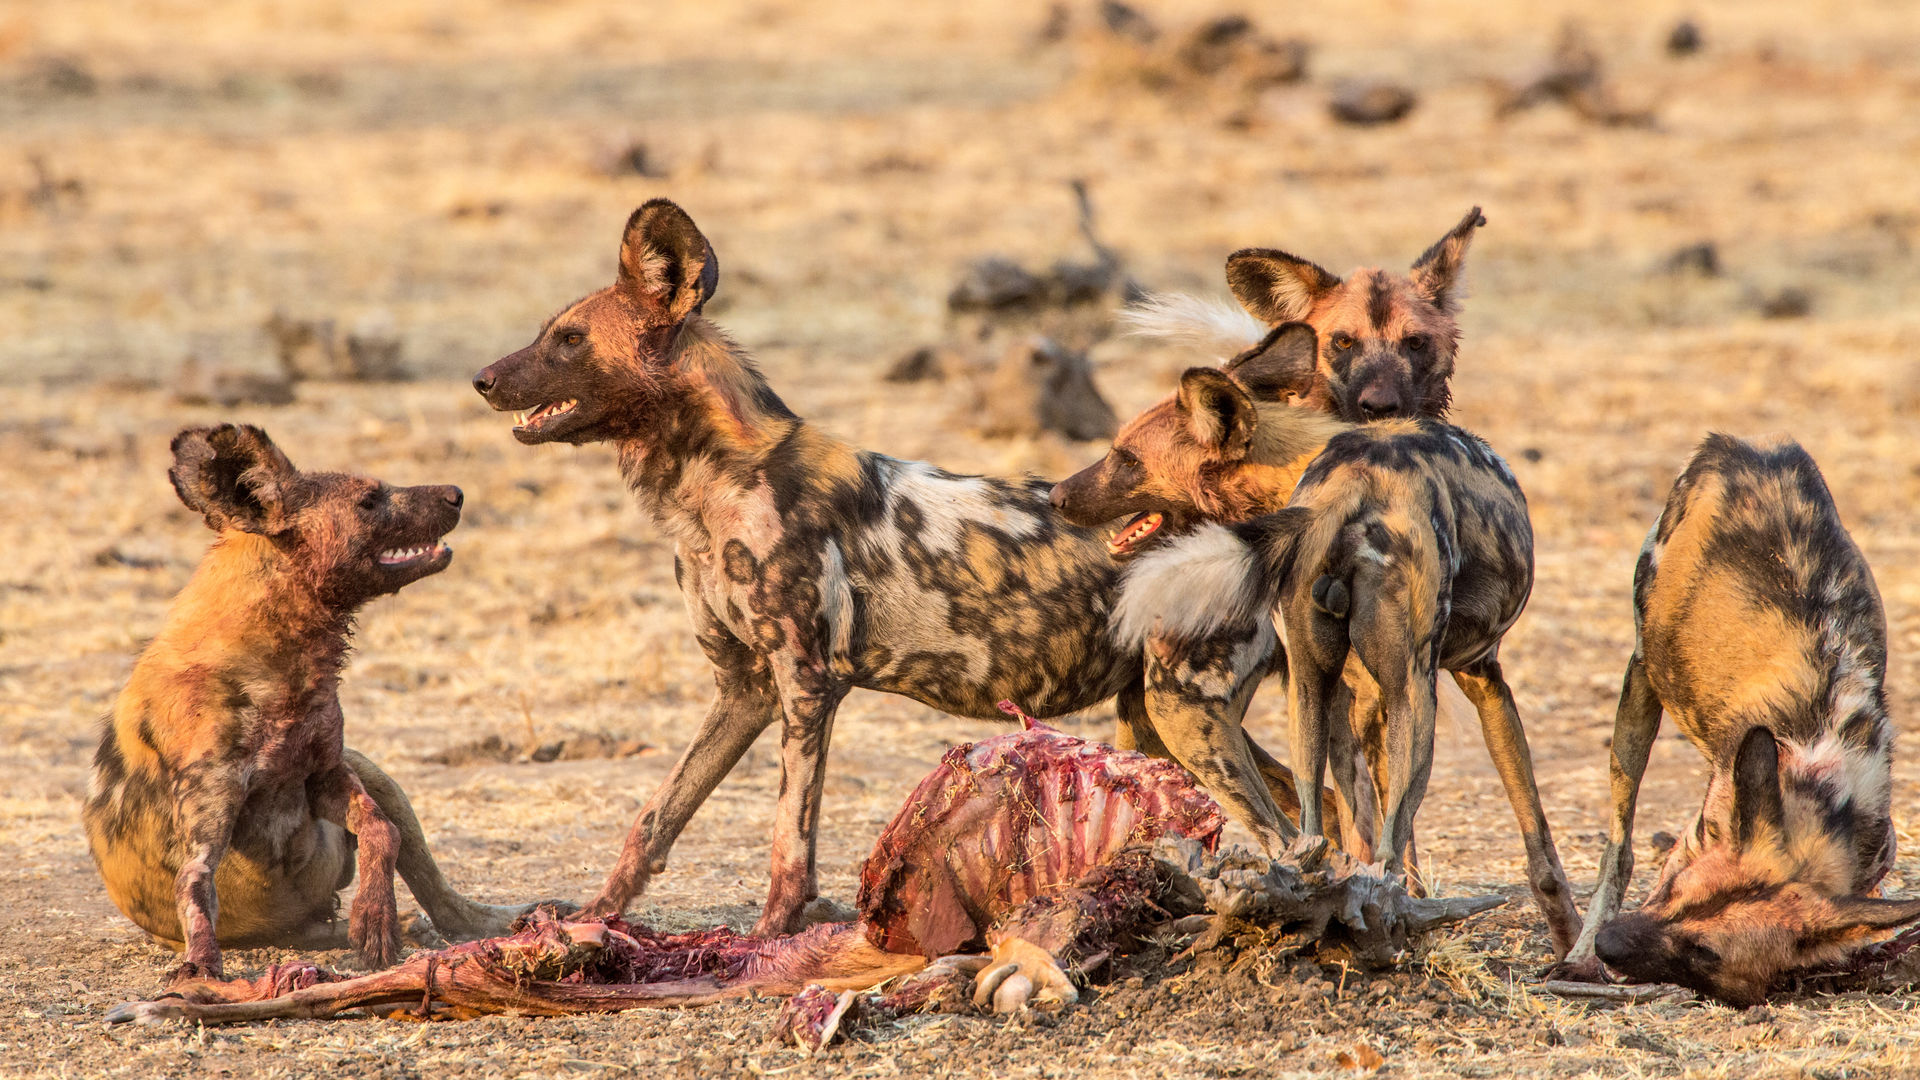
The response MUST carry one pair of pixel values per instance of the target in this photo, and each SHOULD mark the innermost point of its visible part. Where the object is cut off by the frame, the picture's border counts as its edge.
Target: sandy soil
(169, 177)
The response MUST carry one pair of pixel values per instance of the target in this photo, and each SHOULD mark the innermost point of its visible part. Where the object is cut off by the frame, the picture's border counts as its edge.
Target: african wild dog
(1758, 627)
(223, 808)
(1406, 544)
(1387, 341)
(810, 568)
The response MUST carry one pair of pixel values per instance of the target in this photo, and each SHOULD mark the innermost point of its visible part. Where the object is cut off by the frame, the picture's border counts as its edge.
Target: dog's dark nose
(454, 496)
(1378, 402)
(1057, 498)
(483, 382)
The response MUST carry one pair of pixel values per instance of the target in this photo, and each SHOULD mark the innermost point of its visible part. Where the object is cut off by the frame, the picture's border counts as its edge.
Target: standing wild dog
(1758, 628)
(224, 808)
(1387, 341)
(1406, 544)
(810, 568)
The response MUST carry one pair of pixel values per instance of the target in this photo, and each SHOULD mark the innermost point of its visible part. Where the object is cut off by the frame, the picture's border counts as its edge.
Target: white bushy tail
(1190, 588)
(1205, 323)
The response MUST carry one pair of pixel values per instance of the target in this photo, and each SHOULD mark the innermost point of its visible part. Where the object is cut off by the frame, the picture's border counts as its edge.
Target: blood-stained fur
(1387, 341)
(1405, 545)
(1760, 632)
(810, 568)
(224, 808)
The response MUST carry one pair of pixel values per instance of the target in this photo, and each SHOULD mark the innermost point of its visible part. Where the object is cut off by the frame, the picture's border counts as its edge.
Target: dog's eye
(1416, 343)
(1343, 342)
(1125, 459)
(573, 338)
(371, 499)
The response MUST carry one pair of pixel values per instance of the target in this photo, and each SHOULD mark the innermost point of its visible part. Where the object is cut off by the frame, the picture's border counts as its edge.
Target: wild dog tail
(1217, 577)
(1200, 322)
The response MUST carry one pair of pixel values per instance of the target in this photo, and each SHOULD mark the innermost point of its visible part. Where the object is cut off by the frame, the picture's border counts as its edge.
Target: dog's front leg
(744, 703)
(373, 920)
(1636, 723)
(809, 697)
(209, 797)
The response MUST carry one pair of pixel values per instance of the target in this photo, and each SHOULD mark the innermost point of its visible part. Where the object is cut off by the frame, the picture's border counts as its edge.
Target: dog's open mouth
(1134, 533)
(531, 420)
(412, 556)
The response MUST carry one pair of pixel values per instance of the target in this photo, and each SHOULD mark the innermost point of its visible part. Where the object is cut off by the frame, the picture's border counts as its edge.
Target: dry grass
(440, 163)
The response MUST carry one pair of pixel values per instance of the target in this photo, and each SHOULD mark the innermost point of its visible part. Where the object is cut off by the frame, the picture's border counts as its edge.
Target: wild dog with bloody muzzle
(810, 568)
(1759, 630)
(224, 808)
(1405, 545)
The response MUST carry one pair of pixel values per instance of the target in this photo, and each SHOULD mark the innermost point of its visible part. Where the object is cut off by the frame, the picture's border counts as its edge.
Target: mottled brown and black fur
(224, 808)
(1406, 545)
(811, 568)
(1387, 341)
(1760, 631)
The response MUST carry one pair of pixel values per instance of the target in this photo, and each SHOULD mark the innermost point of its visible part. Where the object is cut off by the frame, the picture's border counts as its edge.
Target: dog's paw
(374, 931)
(1022, 975)
(195, 971)
(1587, 970)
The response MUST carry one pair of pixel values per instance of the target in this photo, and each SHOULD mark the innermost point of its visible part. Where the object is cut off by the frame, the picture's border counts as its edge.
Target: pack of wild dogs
(1302, 510)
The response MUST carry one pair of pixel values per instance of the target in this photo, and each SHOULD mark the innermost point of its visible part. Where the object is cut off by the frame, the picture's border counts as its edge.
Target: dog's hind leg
(1635, 726)
(1196, 696)
(1486, 687)
(455, 917)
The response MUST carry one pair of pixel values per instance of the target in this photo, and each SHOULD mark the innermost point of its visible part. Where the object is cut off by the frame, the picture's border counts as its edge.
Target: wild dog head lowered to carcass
(223, 808)
(1405, 546)
(1047, 850)
(811, 568)
(1760, 632)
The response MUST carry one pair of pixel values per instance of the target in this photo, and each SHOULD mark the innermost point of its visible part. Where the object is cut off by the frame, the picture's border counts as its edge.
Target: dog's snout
(1057, 498)
(483, 382)
(453, 495)
(1378, 402)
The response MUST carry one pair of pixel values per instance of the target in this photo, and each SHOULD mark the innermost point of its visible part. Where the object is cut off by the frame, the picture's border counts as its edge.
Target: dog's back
(1754, 606)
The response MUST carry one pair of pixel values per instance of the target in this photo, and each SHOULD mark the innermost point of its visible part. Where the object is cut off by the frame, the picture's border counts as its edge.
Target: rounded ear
(1436, 273)
(1282, 365)
(1758, 810)
(1219, 413)
(234, 476)
(1276, 287)
(666, 263)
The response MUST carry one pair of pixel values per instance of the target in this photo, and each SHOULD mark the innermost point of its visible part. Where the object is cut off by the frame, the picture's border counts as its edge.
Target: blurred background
(322, 216)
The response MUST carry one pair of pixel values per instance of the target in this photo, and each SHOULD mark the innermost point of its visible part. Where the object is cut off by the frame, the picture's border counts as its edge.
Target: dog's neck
(249, 616)
(1285, 441)
(711, 433)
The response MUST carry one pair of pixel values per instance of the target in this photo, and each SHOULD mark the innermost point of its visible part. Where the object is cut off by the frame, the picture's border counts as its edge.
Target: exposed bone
(1632, 993)
(1035, 845)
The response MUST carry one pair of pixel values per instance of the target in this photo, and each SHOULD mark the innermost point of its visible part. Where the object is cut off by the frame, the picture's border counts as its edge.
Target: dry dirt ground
(171, 174)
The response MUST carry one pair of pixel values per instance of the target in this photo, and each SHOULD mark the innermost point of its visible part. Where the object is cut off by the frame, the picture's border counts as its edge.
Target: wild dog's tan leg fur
(744, 704)
(1205, 737)
(1635, 726)
(455, 917)
(1486, 687)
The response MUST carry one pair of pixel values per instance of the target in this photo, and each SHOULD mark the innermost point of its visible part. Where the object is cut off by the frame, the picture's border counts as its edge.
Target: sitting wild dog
(223, 808)
(1759, 629)
(811, 568)
(1387, 342)
(1405, 544)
